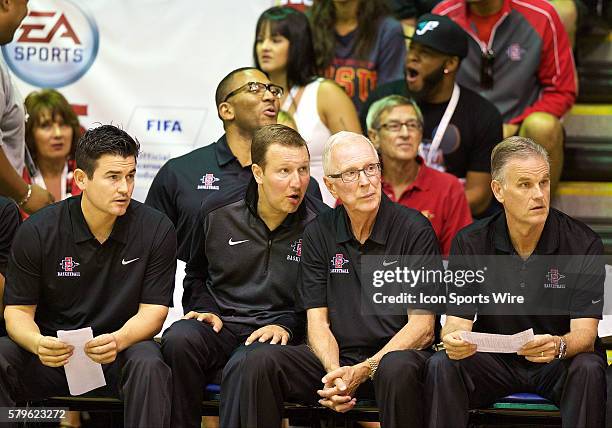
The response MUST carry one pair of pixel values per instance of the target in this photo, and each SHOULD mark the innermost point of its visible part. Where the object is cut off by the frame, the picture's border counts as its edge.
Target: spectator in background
(52, 131)
(30, 197)
(358, 44)
(474, 126)
(395, 126)
(407, 11)
(520, 59)
(51, 134)
(283, 49)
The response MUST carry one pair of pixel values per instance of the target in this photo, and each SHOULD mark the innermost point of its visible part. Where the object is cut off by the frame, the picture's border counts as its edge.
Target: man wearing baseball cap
(461, 126)
(519, 58)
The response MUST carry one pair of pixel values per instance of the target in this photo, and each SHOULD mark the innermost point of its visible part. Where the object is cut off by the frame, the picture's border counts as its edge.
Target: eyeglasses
(257, 88)
(486, 69)
(369, 170)
(412, 125)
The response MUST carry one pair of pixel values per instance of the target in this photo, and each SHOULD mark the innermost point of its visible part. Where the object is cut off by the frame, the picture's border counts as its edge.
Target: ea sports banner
(149, 66)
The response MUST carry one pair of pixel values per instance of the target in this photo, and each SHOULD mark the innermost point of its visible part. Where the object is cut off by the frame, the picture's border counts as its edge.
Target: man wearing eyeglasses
(246, 100)
(520, 59)
(351, 352)
(395, 126)
(461, 127)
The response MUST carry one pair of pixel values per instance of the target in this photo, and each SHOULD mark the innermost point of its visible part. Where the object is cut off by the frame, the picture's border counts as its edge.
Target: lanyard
(448, 113)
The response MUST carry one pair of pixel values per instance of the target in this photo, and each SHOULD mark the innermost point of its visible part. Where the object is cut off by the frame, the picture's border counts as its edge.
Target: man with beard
(462, 126)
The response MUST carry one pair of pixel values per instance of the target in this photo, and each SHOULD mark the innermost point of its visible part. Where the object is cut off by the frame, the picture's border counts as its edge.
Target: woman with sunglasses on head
(52, 131)
(358, 44)
(283, 49)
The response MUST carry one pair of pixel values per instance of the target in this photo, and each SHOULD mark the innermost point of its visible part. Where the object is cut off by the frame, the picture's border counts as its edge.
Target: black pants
(138, 376)
(265, 377)
(577, 385)
(195, 352)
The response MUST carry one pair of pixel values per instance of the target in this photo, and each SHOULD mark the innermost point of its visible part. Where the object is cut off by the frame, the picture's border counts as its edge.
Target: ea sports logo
(55, 45)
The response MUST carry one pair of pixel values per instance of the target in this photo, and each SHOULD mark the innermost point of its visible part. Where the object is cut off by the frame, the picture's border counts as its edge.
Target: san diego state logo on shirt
(337, 263)
(68, 266)
(553, 279)
(207, 182)
(296, 250)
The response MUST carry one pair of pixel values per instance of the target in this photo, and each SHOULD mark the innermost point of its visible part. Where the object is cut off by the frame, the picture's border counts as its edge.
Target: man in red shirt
(395, 126)
(520, 59)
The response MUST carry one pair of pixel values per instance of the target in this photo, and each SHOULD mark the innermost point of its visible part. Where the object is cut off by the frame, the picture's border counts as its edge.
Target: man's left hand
(102, 349)
(274, 333)
(542, 349)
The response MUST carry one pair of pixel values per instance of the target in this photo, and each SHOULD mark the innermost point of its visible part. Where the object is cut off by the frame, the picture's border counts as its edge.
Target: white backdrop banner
(149, 66)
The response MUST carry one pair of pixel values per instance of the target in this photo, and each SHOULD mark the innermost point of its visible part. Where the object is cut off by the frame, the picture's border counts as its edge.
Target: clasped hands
(340, 385)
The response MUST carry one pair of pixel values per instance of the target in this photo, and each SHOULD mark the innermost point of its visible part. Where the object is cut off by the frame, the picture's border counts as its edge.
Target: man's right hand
(39, 198)
(456, 347)
(208, 318)
(52, 352)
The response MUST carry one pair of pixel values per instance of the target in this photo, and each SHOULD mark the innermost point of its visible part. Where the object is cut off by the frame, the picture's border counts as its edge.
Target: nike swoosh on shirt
(237, 242)
(386, 263)
(127, 262)
(595, 301)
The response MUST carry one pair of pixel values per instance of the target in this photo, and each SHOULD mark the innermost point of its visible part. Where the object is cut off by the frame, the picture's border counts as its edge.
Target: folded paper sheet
(502, 343)
(82, 373)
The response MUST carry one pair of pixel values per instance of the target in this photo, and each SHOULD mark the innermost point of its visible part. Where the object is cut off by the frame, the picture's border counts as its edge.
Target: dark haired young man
(243, 272)
(97, 260)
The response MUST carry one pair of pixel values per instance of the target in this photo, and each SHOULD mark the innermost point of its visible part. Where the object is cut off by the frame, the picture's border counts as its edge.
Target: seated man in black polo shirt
(554, 263)
(243, 273)
(246, 100)
(348, 348)
(98, 260)
(9, 222)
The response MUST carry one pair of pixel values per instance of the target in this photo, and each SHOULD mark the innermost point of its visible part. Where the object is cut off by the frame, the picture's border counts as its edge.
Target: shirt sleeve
(9, 222)
(160, 274)
(587, 299)
(313, 270)
(196, 295)
(23, 276)
(392, 52)
(457, 216)
(556, 72)
(162, 193)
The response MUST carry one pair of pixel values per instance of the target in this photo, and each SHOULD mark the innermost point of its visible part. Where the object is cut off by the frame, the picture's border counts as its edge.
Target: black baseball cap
(441, 34)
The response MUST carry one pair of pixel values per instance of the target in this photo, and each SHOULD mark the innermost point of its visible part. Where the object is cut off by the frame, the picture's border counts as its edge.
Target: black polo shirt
(184, 183)
(563, 279)
(331, 270)
(9, 222)
(241, 270)
(57, 264)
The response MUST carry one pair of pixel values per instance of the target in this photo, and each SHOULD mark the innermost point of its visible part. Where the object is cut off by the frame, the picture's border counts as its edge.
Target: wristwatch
(373, 367)
(562, 348)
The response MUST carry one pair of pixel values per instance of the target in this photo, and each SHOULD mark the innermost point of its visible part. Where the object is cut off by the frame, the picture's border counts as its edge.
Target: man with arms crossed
(98, 260)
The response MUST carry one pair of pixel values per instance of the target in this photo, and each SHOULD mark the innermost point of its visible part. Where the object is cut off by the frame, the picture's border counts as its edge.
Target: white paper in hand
(500, 343)
(82, 373)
